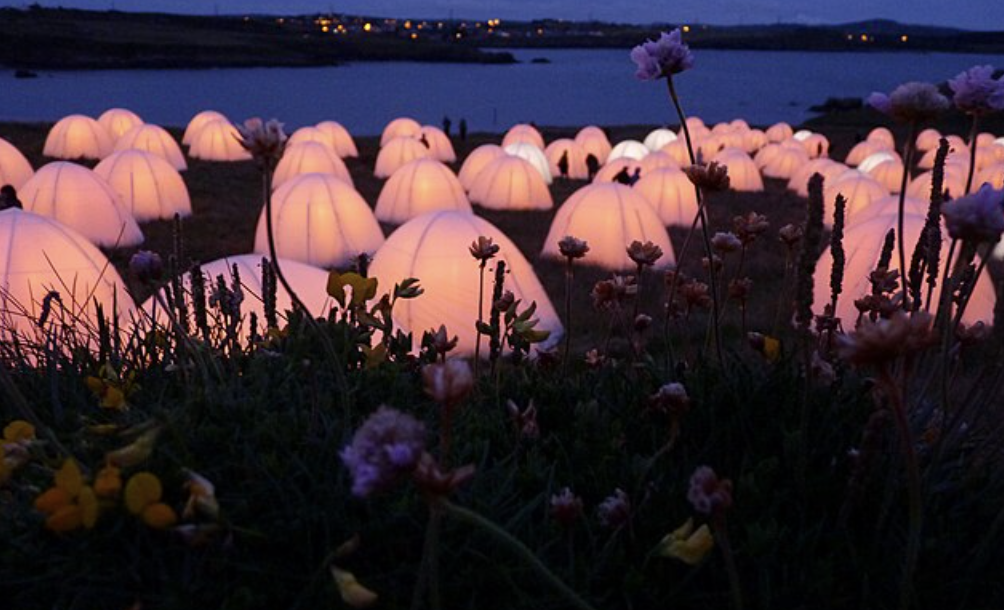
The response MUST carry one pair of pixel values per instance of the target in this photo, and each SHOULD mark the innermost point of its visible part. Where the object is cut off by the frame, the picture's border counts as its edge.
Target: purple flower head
(664, 57)
(566, 507)
(976, 218)
(615, 510)
(910, 102)
(386, 447)
(976, 91)
(708, 494)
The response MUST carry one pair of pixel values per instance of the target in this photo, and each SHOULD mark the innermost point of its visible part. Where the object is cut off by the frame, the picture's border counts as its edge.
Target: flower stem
(973, 136)
(908, 148)
(702, 217)
(481, 308)
(735, 585)
(568, 314)
(472, 518)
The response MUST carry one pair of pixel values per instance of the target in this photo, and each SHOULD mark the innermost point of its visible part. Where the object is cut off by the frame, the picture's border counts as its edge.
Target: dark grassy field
(226, 201)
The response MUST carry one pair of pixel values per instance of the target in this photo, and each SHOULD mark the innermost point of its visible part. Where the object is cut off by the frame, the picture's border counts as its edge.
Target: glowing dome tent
(532, 155)
(146, 185)
(872, 160)
(862, 245)
(39, 254)
(829, 169)
(678, 151)
(594, 141)
(657, 138)
(319, 220)
(78, 137)
(316, 135)
(817, 145)
(403, 127)
(743, 173)
(656, 160)
(218, 141)
(888, 206)
(117, 121)
(309, 283)
(78, 198)
(859, 190)
(992, 175)
(985, 138)
(954, 182)
(632, 149)
(153, 139)
(785, 163)
(397, 153)
(15, 169)
(440, 147)
(883, 137)
(754, 140)
(421, 186)
(476, 161)
(610, 171)
(309, 158)
(609, 217)
(511, 183)
(708, 146)
(671, 195)
(198, 121)
(888, 173)
(957, 153)
(340, 138)
(766, 154)
(433, 248)
(574, 154)
(523, 134)
(928, 139)
(779, 132)
(862, 150)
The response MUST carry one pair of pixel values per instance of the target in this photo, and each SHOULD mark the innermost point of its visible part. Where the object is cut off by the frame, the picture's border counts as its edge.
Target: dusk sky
(972, 14)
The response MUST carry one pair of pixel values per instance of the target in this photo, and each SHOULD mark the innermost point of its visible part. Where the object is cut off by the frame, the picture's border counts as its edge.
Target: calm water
(578, 87)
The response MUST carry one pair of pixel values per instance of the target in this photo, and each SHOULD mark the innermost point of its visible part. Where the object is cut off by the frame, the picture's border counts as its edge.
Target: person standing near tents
(592, 165)
(447, 123)
(463, 130)
(563, 165)
(8, 198)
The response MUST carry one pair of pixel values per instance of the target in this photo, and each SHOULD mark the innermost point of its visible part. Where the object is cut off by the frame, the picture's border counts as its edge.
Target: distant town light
(864, 38)
(686, 28)
(414, 36)
(324, 28)
(407, 25)
(367, 27)
(904, 38)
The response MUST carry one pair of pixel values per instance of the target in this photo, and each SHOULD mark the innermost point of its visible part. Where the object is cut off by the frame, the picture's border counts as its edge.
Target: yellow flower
(108, 483)
(17, 431)
(159, 516)
(52, 500)
(363, 288)
(89, 509)
(136, 452)
(352, 592)
(111, 390)
(65, 519)
(771, 348)
(687, 544)
(142, 490)
(69, 479)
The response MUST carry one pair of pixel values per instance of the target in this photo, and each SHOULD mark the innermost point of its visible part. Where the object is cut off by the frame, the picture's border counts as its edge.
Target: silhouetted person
(563, 165)
(447, 123)
(592, 165)
(635, 177)
(623, 177)
(424, 141)
(462, 128)
(819, 149)
(8, 198)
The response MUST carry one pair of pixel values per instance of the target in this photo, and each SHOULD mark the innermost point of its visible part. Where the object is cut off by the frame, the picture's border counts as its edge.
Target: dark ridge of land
(64, 39)
(79, 40)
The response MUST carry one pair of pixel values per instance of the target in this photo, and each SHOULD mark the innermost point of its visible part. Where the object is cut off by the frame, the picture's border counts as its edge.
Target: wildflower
(671, 398)
(644, 254)
(717, 260)
(136, 452)
(17, 432)
(768, 346)
(790, 235)
(610, 294)
(594, 359)
(483, 249)
(615, 510)
(201, 497)
(572, 248)
(708, 494)
(110, 389)
(505, 301)
(353, 593)
(386, 447)
(750, 226)
(642, 322)
(146, 266)
(142, 497)
(976, 218)
(441, 341)
(566, 507)
(525, 420)
(696, 294)
(265, 141)
(910, 102)
(431, 479)
(687, 544)
(884, 340)
(448, 383)
(726, 242)
(663, 57)
(69, 504)
(739, 288)
(108, 483)
(976, 92)
(711, 177)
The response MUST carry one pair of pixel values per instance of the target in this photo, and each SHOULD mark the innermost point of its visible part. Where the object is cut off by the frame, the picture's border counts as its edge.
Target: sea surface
(577, 87)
